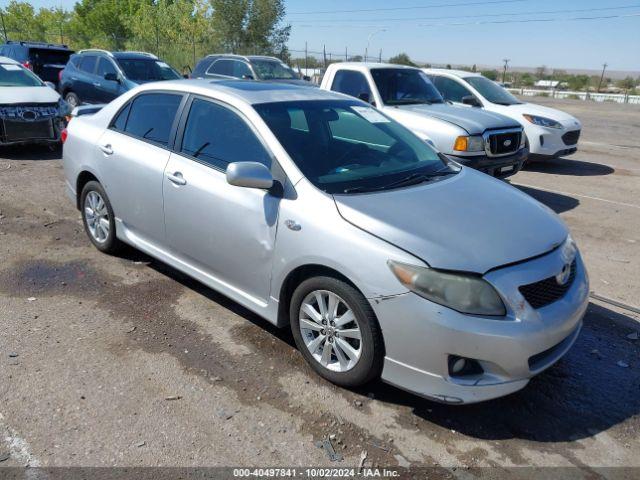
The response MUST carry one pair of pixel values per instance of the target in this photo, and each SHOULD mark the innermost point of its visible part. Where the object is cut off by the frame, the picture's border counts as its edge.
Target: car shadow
(31, 152)
(557, 202)
(563, 166)
(585, 393)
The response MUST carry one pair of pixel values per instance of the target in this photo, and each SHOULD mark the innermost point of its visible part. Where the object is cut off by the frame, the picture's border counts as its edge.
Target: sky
(469, 31)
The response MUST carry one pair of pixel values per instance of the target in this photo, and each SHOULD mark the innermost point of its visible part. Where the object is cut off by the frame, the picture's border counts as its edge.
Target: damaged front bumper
(36, 123)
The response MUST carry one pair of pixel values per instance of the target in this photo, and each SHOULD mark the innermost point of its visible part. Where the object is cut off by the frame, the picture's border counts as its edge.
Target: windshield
(345, 146)
(492, 91)
(17, 76)
(399, 86)
(273, 70)
(143, 70)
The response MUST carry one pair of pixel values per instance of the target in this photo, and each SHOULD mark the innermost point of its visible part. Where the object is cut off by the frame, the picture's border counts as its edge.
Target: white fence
(595, 97)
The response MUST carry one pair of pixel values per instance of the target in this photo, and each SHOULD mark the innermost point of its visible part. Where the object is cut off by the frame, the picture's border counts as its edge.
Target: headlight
(542, 121)
(469, 144)
(464, 293)
(523, 139)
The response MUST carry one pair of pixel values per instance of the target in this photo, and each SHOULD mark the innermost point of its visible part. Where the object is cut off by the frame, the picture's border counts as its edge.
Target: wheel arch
(298, 275)
(84, 177)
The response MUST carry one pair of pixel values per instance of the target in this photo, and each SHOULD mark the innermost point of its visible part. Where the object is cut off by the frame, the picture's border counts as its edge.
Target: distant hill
(614, 74)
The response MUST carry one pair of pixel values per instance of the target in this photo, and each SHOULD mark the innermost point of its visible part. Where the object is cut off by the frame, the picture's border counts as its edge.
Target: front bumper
(500, 167)
(550, 143)
(420, 336)
(14, 131)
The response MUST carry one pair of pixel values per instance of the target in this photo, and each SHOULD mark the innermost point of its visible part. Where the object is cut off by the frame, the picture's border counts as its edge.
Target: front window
(400, 86)
(493, 92)
(345, 146)
(143, 70)
(273, 70)
(17, 76)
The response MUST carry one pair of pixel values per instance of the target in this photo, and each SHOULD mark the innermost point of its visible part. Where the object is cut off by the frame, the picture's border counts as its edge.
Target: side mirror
(185, 75)
(365, 97)
(471, 100)
(50, 85)
(112, 77)
(306, 77)
(249, 175)
(247, 77)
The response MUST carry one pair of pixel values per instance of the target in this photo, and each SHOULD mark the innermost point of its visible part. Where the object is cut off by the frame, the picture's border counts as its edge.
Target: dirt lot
(122, 361)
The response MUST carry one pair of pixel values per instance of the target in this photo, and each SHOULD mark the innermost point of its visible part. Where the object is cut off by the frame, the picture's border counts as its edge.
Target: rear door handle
(97, 84)
(106, 149)
(176, 178)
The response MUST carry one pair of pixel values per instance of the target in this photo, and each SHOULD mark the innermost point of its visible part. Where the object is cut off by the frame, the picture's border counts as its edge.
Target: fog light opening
(462, 367)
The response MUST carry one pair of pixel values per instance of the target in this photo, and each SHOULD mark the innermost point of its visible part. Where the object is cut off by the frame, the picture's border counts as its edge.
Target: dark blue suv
(99, 76)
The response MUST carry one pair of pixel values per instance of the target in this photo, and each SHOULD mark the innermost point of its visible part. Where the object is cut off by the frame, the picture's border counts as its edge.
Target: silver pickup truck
(489, 142)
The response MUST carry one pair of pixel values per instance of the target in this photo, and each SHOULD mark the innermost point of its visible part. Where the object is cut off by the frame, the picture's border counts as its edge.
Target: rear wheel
(98, 218)
(72, 99)
(336, 331)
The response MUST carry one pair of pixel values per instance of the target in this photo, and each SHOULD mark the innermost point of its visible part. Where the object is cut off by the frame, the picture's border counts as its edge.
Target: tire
(99, 226)
(368, 365)
(72, 99)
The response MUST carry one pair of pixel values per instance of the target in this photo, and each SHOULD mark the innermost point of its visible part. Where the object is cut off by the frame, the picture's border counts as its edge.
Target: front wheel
(336, 331)
(72, 99)
(98, 218)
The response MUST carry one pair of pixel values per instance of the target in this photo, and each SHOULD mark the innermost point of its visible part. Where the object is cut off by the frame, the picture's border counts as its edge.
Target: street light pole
(504, 72)
(366, 50)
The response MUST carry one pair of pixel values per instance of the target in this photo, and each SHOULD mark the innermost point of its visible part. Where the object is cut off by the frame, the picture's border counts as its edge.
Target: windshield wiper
(411, 102)
(413, 179)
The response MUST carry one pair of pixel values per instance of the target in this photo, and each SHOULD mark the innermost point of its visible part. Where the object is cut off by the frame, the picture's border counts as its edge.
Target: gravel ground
(122, 361)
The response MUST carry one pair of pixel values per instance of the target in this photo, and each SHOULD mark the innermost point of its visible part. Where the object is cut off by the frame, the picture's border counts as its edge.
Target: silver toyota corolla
(317, 211)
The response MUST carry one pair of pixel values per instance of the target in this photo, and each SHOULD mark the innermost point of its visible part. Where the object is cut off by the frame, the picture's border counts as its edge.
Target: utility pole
(380, 57)
(324, 55)
(504, 71)
(604, 67)
(306, 55)
(346, 54)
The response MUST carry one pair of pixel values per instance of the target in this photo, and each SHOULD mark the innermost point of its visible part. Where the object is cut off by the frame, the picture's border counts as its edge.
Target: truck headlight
(474, 143)
(464, 293)
(542, 121)
(523, 139)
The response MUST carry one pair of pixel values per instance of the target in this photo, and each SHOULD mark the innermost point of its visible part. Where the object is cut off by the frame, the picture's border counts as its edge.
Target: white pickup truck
(486, 141)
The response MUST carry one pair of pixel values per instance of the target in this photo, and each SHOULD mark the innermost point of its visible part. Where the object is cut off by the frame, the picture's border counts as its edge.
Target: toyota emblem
(563, 277)
(506, 143)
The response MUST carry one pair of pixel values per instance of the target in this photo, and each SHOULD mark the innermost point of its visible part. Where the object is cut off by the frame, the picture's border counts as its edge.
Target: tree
(20, 22)
(490, 74)
(402, 59)
(54, 23)
(104, 23)
(627, 83)
(541, 72)
(250, 26)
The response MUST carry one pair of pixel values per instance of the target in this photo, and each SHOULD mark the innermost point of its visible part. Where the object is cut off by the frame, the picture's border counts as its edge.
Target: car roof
(361, 66)
(455, 73)
(9, 61)
(247, 91)
(242, 57)
(56, 46)
(135, 55)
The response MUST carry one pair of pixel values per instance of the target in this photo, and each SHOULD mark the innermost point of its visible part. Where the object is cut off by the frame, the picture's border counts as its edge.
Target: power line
(510, 14)
(463, 4)
(487, 22)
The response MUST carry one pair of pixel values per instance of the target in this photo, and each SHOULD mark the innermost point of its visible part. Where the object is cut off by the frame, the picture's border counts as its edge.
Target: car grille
(504, 143)
(13, 131)
(571, 138)
(544, 292)
(29, 112)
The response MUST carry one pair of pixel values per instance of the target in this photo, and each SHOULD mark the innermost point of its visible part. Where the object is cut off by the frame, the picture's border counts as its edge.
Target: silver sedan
(316, 211)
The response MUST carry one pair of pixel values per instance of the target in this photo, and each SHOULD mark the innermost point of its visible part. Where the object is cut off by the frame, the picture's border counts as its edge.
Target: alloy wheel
(330, 330)
(97, 216)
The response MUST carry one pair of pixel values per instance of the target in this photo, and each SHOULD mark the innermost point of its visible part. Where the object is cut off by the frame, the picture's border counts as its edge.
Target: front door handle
(97, 84)
(106, 149)
(176, 178)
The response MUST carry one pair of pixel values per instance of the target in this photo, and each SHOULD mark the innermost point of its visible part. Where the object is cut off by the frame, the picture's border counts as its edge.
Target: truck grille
(14, 131)
(503, 143)
(547, 291)
(571, 138)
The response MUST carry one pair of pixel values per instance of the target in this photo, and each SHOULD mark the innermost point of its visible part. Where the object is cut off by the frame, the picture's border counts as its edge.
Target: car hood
(516, 111)
(475, 121)
(15, 95)
(467, 222)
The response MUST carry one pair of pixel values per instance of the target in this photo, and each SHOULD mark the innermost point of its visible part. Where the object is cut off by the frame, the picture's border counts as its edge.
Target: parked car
(488, 142)
(550, 133)
(46, 60)
(31, 111)
(252, 67)
(98, 76)
(319, 212)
